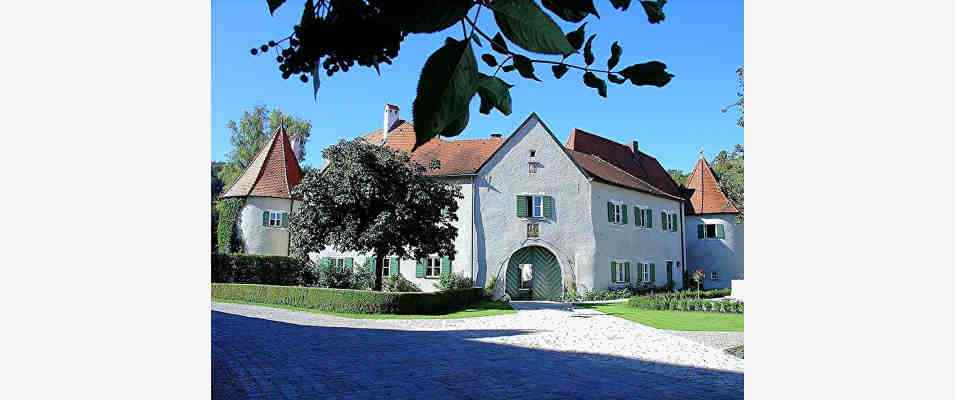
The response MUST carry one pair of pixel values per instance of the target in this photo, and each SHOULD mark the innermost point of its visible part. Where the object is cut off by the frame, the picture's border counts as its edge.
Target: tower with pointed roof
(714, 238)
(266, 186)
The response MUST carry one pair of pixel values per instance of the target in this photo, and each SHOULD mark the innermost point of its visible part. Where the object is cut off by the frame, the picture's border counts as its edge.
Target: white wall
(630, 242)
(723, 255)
(499, 232)
(259, 239)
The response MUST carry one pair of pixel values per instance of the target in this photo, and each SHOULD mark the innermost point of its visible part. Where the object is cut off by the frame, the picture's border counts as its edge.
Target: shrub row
(697, 294)
(669, 302)
(349, 301)
(270, 270)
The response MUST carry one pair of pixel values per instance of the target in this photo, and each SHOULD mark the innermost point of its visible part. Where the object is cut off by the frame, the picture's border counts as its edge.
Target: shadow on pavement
(259, 358)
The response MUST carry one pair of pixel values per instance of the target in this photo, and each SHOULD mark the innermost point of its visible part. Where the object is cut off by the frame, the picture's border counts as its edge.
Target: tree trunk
(379, 266)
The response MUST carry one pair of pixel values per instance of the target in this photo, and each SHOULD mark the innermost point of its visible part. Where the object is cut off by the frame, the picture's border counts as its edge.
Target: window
(275, 219)
(639, 219)
(386, 266)
(646, 272)
(533, 153)
(617, 213)
(710, 231)
(338, 264)
(714, 275)
(433, 268)
(535, 206)
(532, 168)
(669, 221)
(435, 164)
(537, 209)
(619, 271)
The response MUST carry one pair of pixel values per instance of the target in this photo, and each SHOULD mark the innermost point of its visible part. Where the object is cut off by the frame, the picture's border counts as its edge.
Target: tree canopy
(334, 35)
(728, 168)
(252, 131)
(372, 199)
(678, 176)
(739, 98)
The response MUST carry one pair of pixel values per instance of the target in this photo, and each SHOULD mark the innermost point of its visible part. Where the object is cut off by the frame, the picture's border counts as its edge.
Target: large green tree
(252, 131)
(678, 176)
(372, 199)
(334, 35)
(728, 168)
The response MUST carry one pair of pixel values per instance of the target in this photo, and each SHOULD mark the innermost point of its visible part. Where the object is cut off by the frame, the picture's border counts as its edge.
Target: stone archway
(544, 271)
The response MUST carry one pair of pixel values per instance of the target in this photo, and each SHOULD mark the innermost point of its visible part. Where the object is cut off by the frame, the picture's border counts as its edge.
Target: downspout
(683, 247)
(288, 250)
(473, 236)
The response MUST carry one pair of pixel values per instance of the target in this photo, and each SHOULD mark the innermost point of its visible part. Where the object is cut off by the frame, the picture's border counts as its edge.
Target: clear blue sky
(701, 42)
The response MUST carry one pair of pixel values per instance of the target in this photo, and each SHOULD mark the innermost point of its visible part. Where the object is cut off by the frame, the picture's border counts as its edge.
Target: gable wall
(499, 232)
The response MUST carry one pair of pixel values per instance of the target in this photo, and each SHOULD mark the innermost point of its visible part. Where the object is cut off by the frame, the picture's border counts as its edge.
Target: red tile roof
(640, 168)
(456, 157)
(273, 172)
(607, 172)
(704, 193)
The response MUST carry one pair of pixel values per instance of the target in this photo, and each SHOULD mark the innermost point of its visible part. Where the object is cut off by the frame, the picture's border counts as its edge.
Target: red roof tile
(704, 193)
(456, 157)
(642, 166)
(273, 172)
(607, 172)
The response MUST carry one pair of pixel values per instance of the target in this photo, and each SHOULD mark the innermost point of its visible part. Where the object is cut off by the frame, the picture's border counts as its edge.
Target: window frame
(646, 272)
(278, 221)
(639, 217)
(715, 276)
(706, 231)
(337, 262)
(621, 273)
(435, 164)
(617, 212)
(386, 266)
(537, 204)
(429, 268)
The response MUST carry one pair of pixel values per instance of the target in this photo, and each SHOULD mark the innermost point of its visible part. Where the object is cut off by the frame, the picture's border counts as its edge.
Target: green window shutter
(419, 269)
(639, 272)
(700, 231)
(613, 271)
(674, 223)
(265, 218)
(636, 216)
(663, 220)
(349, 263)
(548, 207)
(285, 220)
(649, 218)
(395, 266)
(522, 206)
(623, 209)
(372, 264)
(626, 271)
(324, 264)
(445, 265)
(720, 234)
(609, 212)
(653, 272)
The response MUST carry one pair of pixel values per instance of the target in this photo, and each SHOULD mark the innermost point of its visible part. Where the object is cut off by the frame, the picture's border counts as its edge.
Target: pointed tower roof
(273, 172)
(704, 194)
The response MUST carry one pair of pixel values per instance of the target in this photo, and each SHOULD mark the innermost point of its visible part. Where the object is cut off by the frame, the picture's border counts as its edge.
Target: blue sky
(701, 42)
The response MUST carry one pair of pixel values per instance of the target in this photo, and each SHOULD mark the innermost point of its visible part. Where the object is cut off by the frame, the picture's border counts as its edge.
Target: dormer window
(435, 164)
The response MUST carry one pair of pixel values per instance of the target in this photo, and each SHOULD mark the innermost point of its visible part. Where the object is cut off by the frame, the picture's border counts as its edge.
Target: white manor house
(538, 215)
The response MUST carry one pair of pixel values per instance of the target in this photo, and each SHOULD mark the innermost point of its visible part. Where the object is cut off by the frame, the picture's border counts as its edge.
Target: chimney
(635, 147)
(496, 135)
(391, 116)
(296, 142)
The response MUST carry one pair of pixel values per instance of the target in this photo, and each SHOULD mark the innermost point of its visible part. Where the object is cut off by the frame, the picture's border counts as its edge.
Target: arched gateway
(534, 273)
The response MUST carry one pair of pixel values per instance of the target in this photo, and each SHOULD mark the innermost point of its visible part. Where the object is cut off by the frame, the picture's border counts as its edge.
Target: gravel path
(717, 340)
(543, 351)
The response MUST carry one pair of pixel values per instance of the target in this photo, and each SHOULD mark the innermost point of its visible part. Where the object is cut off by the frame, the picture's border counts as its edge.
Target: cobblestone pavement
(542, 352)
(717, 340)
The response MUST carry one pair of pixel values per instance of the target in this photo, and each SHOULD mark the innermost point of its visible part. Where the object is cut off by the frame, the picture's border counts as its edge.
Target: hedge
(270, 270)
(697, 294)
(349, 301)
(673, 302)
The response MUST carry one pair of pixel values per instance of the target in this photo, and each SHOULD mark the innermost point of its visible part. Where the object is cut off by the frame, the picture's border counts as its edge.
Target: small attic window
(435, 164)
(533, 153)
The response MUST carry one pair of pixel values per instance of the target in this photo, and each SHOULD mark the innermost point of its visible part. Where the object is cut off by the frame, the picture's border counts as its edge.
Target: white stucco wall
(499, 232)
(259, 239)
(723, 255)
(630, 242)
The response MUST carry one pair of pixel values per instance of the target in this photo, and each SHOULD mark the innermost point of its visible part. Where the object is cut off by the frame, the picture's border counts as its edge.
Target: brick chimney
(635, 147)
(391, 117)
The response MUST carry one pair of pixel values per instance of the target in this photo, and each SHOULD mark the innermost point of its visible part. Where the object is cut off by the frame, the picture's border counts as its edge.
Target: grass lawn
(485, 308)
(673, 320)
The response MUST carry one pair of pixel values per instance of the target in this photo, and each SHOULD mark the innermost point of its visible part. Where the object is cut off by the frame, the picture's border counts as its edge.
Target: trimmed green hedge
(672, 301)
(697, 294)
(350, 301)
(270, 270)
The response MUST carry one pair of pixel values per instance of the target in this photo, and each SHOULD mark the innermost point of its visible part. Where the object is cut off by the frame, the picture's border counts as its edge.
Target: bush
(490, 285)
(349, 301)
(270, 270)
(696, 294)
(683, 302)
(398, 283)
(449, 280)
